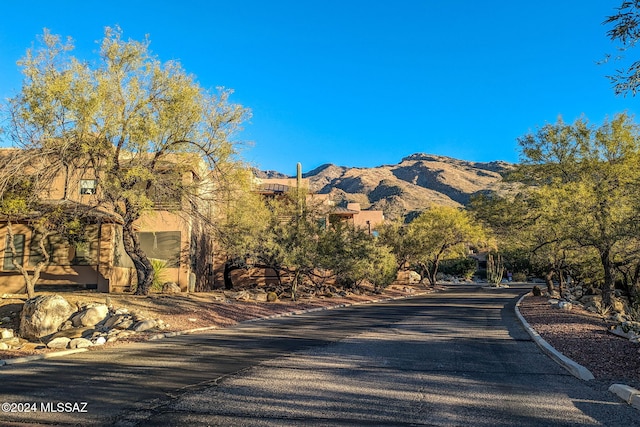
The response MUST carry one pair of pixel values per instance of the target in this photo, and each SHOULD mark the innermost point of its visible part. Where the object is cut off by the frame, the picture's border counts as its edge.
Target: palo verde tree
(148, 129)
(589, 176)
(440, 232)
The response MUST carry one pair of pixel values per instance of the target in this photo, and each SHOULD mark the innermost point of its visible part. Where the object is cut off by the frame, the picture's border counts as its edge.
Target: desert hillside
(417, 182)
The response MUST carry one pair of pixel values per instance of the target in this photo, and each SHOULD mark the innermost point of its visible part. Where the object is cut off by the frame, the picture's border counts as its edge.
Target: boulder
(239, 296)
(11, 342)
(73, 332)
(59, 342)
(6, 333)
(260, 296)
(120, 321)
(564, 305)
(80, 343)
(592, 301)
(43, 315)
(91, 316)
(144, 325)
(171, 288)
(414, 277)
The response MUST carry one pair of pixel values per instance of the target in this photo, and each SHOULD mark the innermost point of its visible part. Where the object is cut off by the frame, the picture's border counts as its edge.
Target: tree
(441, 232)
(588, 181)
(149, 131)
(244, 220)
(353, 256)
(626, 31)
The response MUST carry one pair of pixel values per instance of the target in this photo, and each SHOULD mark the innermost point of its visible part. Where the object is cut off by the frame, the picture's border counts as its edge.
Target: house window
(18, 241)
(87, 186)
(164, 245)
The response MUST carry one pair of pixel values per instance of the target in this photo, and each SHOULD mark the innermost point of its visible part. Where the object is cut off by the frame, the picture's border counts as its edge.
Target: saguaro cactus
(495, 269)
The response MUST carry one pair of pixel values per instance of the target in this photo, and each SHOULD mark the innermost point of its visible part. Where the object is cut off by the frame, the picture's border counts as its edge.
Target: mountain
(417, 182)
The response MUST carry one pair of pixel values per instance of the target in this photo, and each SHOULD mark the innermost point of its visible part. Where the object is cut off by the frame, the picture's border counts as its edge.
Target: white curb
(574, 368)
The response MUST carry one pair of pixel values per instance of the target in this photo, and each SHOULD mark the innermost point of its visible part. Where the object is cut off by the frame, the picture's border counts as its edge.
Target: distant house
(364, 219)
(167, 233)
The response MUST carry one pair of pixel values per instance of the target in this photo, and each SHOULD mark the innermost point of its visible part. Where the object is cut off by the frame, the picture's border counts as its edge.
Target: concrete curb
(25, 359)
(629, 394)
(160, 336)
(574, 368)
(626, 393)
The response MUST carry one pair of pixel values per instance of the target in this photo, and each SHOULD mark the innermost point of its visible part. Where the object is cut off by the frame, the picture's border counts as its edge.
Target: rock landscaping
(620, 317)
(50, 320)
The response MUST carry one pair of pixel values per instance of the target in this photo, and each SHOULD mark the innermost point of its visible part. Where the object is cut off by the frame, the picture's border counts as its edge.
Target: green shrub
(459, 267)
(159, 273)
(519, 277)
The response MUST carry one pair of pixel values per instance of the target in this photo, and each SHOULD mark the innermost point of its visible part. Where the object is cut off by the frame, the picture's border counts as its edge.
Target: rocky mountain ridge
(415, 183)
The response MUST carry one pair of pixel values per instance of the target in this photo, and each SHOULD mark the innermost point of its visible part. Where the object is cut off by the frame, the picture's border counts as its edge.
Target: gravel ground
(583, 337)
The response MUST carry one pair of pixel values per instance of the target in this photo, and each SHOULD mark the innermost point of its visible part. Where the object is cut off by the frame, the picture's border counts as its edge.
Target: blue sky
(361, 83)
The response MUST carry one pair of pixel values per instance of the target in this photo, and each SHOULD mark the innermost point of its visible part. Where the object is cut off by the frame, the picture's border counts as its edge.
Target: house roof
(343, 211)
(272, 188)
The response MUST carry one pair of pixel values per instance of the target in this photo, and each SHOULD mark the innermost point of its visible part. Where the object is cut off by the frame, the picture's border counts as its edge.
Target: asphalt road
(455, 358)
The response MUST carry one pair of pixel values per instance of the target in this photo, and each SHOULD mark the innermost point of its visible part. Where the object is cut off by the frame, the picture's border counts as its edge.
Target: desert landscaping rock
(10, 342)
(59, 342)
(73, 333)
(171, 288)
(80, 343)
(43, 315)
(144, 325)
(91, 315)
(260, 297)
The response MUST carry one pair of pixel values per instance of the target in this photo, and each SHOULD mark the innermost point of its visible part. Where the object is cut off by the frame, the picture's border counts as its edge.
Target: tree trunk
(560, 282)
(144, 269)
(294, 285)
(29, 281)
(609, 279)
(433, 271)
(548, 279)
(229, 266)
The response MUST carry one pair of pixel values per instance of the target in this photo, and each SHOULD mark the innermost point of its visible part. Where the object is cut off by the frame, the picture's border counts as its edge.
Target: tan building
(365, 219)
(101, 262)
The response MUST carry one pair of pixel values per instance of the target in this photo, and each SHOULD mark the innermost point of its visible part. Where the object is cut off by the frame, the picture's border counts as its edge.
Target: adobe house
(101, 262)
(364, 219)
